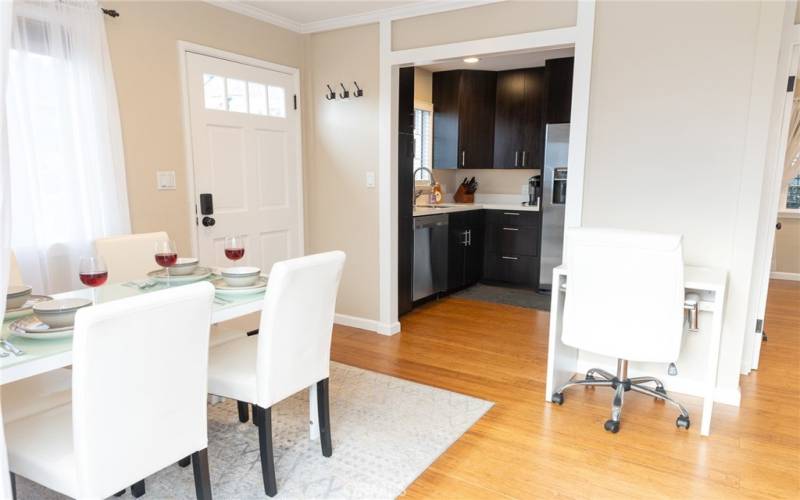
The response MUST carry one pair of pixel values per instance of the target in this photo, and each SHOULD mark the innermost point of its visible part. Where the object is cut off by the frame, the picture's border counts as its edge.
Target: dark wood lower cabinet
(465, 249)
(512, 248)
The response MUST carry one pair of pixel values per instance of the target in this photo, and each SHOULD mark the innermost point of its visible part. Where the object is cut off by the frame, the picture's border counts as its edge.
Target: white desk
(710, 283)
(45, 355)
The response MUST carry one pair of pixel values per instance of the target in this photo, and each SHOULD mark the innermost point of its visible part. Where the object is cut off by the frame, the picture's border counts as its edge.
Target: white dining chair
(139, 398)
(131, 256)
(290, 353)
(624, 299)
(5, 476)
(14, 275)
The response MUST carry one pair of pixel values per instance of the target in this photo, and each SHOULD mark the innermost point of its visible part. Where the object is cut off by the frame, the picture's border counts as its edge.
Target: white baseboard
(784, 276)
(367, 324)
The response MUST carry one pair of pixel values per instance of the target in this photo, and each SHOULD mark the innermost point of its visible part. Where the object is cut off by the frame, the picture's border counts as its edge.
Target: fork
(8, 346)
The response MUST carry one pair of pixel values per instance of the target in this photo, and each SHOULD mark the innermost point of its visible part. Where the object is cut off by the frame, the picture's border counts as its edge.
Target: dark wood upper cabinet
(463, 118)
(558, 82)
(519, 108)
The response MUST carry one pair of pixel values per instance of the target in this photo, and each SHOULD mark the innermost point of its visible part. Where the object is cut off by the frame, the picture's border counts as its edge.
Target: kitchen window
(793, 194)
(423, 140)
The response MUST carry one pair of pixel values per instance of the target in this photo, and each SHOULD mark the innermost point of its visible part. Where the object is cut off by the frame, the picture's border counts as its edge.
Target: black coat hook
(346, 93)
(331, 94)
(358, 92)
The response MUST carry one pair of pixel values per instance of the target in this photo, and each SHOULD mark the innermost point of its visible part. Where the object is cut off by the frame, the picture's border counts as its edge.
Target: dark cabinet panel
(463, 119)
(519, 108)
(510, 240)
(512, 247)
(465, 249)
(405, 187)
(516, 270)
(515, 218)
(558, 81)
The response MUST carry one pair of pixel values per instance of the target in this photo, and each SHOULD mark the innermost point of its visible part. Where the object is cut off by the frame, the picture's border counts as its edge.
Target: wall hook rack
(358, 92)
(346, 93)
(331, 95)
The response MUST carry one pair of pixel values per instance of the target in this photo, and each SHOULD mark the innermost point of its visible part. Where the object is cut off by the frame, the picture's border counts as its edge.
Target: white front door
(244, 141)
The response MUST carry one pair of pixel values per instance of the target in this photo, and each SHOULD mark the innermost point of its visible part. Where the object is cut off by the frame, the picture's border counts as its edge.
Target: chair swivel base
(621, 384)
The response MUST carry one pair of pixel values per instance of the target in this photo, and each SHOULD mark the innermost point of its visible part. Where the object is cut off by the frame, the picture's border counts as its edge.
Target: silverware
(8, 346)
(3, 354)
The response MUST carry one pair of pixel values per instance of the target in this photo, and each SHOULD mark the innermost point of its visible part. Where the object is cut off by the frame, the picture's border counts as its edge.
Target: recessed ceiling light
(471, 60)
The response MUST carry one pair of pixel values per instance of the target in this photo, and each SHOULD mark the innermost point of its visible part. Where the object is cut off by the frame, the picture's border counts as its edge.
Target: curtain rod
(111, 12)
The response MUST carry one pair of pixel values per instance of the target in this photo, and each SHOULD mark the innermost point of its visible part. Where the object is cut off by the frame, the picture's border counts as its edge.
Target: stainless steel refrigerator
(554, 198)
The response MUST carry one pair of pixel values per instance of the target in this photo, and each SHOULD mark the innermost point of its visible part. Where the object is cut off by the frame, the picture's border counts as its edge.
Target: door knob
(208, 221)
(778, 226)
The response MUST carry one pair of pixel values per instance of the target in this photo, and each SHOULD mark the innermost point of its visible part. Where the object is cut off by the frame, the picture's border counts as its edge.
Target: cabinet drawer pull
(463, 157)
(510, 258)
(516, 158)
(524, 155)
(510, 229)
(510, 213)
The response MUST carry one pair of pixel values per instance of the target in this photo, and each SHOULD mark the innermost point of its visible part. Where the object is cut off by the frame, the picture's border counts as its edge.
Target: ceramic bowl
(60, 312)
(240, 276)
(184, 266)
(17, 295)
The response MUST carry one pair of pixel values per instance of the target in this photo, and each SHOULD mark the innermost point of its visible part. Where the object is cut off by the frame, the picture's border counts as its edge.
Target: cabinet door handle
(464, 241)
(516, 158)
(463, 157)
(524, 155)
(510, 258)
(510, 229)
(510, 213)
(469, 237)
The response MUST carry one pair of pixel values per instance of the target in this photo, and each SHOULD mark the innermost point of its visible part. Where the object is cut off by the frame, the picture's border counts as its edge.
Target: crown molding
(392, 13)
(256, 13)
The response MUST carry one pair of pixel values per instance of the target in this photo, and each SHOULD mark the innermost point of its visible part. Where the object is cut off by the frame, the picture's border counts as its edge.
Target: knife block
(461, 196)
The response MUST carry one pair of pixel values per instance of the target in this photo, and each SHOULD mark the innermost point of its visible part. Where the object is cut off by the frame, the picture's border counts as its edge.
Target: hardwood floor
(525, 448)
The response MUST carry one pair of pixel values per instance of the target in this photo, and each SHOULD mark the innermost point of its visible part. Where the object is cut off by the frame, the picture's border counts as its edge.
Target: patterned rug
(386, 432)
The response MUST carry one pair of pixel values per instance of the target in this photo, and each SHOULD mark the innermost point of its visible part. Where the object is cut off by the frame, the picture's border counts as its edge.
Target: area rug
(386, 432)
(505, 295)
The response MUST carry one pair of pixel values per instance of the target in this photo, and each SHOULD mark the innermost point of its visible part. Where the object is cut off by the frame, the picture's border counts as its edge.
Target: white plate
(33, 328)
(200, 273)
(26, 308)
(223, 288)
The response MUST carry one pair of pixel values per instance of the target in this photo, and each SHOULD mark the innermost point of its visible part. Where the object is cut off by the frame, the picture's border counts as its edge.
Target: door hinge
(295, 101)
(790, 84)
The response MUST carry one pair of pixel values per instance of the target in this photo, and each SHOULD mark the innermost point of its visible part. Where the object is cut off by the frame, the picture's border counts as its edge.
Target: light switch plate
(370, 179)
(165, 180)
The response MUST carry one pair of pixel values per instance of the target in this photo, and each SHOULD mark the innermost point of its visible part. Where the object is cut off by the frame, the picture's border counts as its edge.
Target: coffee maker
(534, 190)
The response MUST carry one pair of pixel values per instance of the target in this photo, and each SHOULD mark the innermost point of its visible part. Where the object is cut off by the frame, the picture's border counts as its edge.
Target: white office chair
(131, 256)
(139, 398)
(291, 352)
(624, 299)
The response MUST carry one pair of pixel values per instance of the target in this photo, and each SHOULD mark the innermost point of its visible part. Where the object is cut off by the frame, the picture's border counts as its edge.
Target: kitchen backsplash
(508, 182)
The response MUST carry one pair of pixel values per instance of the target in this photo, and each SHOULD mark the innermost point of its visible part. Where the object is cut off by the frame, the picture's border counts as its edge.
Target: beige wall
(144, 56)
(786, 258)
(342, 146)
(506, 18)
(668, 124)
(423, 85)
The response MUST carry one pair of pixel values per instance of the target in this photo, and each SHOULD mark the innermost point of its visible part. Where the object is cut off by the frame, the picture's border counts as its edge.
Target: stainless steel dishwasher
(430, 255)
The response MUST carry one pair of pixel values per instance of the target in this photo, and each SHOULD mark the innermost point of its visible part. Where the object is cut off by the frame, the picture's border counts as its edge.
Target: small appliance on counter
(534, 191)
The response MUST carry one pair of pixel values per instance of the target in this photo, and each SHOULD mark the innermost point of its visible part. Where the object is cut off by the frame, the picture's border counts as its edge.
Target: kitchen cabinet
(405, 187)
(512, 247)
(519, 114)
(465, 249)
(463, 118)
(558, 84)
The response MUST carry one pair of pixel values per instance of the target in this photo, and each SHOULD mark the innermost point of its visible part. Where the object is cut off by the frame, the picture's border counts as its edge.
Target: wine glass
(166, 255)
(234, 247)
(93, 272)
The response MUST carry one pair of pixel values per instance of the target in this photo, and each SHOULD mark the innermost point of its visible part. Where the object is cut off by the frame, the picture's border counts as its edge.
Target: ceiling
(306, 16)
(503, 62)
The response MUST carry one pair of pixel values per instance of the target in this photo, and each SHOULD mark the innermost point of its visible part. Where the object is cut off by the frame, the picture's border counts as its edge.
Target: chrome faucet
(418, 192)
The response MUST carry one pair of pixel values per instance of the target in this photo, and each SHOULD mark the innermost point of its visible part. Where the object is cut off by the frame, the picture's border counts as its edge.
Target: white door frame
(183, 48)
(580, 36)
(788, 61)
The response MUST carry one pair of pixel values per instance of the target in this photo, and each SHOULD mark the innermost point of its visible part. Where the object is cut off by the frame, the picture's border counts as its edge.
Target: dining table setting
(36, 335)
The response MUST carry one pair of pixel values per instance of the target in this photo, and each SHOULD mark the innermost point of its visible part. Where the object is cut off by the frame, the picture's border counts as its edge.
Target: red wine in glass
(166, 259)
(234, 253)
(94, 279)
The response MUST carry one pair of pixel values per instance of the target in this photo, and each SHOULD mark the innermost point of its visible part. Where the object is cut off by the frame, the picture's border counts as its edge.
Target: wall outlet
(165, 180)
(370, 179)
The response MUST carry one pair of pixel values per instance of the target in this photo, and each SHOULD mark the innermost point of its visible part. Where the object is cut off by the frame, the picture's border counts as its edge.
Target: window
(423, 141)
(239, 96)
(793, 194)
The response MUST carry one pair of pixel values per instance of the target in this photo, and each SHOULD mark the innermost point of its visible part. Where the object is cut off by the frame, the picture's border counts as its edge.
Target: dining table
(44, 355)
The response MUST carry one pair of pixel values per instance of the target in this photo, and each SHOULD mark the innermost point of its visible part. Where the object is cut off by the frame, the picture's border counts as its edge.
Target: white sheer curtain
(67, 167)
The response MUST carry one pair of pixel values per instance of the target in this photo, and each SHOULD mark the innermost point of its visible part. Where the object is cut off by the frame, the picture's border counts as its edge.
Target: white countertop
(482, 201)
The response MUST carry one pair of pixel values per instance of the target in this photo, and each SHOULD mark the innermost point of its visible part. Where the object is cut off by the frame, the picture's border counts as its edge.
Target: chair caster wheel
(589, 377)
(661, 390)
(558, 398)
(611, 426)
(682, 422)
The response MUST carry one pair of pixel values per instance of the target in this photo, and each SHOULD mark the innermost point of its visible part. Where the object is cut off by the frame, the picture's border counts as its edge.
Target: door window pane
(214, 91)
(237, 98)
(277, 102)
(258, 98)
(793, 194)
